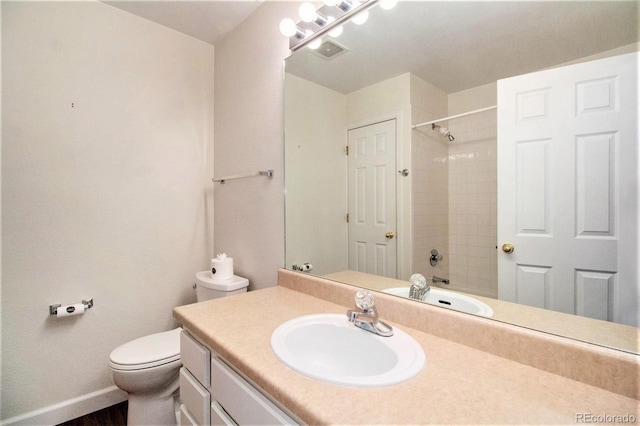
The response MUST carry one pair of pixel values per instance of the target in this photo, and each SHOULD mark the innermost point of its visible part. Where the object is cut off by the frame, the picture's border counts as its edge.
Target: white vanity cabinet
(195, 379)
(213, 393)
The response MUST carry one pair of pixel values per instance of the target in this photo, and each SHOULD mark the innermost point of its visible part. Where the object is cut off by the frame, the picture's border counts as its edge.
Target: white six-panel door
(567, 189)
(372, 199)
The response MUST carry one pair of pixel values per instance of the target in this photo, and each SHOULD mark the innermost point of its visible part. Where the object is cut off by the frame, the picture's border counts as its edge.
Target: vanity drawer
(219, 417)
(195, 357)
(185, 417)
(244, 403)
(195, 398)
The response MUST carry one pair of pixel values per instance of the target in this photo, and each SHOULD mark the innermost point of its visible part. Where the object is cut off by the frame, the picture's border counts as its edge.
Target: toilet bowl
(148, 370)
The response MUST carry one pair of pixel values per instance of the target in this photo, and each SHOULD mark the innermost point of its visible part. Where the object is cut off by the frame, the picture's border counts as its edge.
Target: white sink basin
(448, 299)
(328, 347)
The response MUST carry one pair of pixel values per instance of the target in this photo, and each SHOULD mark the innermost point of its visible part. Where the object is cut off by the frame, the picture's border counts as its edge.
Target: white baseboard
(69, 409)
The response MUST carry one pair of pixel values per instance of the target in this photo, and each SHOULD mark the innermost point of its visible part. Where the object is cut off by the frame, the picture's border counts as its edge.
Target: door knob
(389, 235)
(508, 248)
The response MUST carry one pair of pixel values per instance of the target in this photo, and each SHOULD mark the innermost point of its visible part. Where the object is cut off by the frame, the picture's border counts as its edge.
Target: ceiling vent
(330, 49)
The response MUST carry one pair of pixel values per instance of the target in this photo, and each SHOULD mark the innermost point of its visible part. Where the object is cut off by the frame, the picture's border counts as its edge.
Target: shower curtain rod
(455, 116)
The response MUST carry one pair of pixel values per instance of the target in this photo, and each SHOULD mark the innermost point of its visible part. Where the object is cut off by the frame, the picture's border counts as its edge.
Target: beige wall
(111, 199)
(316, 181)
(249, 136)
(316, 133)
(107, 140)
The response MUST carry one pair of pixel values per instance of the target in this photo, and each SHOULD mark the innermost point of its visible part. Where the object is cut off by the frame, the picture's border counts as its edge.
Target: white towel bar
(267, 173)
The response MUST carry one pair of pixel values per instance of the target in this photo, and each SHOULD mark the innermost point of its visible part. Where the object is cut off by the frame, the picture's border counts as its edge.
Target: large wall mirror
(396, 161)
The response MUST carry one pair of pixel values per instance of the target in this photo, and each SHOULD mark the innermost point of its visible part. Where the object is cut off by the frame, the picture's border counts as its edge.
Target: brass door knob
(389, 235)
(508, 248)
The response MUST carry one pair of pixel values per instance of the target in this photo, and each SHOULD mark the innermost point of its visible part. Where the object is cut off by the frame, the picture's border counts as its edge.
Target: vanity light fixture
(336, 31)
(360, 17)
(388, 4)
(328, 19)
(308, 13)
(315, 43)
(288, 28)
(345, 5)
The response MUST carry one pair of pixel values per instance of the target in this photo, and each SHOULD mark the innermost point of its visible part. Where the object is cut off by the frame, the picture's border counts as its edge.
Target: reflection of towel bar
(267, 173)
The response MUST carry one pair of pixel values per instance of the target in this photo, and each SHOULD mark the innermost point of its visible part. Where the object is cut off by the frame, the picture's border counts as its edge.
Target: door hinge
(346, 150)
(347, 217)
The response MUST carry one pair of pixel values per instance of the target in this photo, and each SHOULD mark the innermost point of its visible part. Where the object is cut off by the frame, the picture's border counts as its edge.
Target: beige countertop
(458, 385)
(604, 333)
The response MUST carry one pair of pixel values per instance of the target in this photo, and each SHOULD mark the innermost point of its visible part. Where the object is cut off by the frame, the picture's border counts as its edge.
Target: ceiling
(209, 21)
(454, 45)
(457, 45)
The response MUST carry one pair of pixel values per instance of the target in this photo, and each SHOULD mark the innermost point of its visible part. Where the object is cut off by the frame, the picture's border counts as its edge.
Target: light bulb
(288, 28)
(307, 12)
(335, 32)
(344, 5)
(315, 44)
(388, 4)
(361, 17)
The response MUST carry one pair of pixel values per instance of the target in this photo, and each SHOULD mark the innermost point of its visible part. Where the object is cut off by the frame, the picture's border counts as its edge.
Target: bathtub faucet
(439, 280)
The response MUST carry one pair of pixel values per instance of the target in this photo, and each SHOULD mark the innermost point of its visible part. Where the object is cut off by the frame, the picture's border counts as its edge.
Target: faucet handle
(365, 300)
(418, 280)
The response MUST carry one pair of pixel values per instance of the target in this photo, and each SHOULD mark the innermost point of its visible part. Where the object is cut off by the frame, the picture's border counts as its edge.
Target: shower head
(443, 131)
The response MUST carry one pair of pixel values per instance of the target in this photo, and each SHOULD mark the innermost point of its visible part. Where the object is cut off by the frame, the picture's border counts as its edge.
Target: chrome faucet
(367, 319)
(419, 287)
(439, 280)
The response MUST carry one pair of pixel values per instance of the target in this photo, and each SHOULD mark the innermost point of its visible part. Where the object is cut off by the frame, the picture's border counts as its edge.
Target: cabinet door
(245, 404)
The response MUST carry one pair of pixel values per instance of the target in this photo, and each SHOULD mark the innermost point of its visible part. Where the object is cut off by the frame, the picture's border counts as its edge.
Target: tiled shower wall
(429, 203)
(454, 188)
(429, 176)
(472, 195)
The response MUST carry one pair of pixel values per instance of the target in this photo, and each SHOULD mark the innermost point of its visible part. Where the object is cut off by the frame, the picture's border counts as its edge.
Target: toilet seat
(147, 352)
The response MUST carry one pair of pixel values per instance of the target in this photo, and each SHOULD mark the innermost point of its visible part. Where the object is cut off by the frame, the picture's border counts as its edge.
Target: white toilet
(148, 368)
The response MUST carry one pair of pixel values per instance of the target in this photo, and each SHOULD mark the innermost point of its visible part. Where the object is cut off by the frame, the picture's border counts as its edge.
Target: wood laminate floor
(116, 415)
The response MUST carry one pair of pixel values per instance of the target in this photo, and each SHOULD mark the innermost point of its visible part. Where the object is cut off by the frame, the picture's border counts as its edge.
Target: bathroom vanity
(213, 393)
(476, 370)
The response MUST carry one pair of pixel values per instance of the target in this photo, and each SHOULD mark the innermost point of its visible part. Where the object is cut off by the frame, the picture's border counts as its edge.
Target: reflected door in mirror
(372, 199)
(567, 143)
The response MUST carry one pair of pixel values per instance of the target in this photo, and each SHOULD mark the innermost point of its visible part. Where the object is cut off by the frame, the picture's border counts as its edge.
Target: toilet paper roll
(70, 310)
(222, 267)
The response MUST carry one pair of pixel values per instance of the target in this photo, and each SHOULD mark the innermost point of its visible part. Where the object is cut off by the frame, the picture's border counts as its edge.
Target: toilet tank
(213, 288)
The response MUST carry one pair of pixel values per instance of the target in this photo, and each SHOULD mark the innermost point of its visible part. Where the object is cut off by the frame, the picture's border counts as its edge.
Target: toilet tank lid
(204, 279)
(148, 349)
